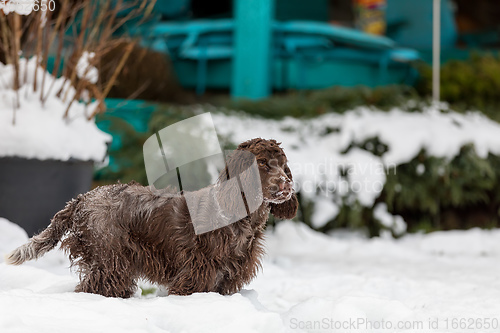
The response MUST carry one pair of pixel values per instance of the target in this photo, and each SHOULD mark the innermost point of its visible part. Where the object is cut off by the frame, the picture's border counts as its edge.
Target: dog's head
(276, 178)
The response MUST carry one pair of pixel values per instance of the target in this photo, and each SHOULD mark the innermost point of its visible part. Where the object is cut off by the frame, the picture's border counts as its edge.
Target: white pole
(436, 51)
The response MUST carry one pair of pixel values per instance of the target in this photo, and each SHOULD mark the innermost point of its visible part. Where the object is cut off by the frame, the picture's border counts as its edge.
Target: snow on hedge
(316, 148)
(441, 134)
(307, 278)
(33, 130)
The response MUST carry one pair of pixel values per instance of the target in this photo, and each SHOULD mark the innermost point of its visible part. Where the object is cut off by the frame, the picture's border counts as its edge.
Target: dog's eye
(262, 163)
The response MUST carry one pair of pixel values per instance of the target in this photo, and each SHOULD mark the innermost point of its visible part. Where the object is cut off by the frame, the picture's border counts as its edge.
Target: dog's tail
(45, 241)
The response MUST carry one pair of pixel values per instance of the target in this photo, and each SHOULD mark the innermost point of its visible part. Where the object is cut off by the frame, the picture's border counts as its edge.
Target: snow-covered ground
(310, 282)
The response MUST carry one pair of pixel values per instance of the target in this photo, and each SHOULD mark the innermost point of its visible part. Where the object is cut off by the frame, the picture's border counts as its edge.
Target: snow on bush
(32, 129)
(390, 221)
(325, 164)
(84, 69)
(441, 134)
(324, 210)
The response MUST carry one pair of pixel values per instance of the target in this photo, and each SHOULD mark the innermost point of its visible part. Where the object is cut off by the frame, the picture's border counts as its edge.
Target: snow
(325, 210)
(420, 169)
(33, 130)
(392, 222)
(84, 70)
(308, 278)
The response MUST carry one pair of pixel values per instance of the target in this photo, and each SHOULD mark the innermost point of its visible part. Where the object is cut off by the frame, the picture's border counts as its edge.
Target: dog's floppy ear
(287, 209)
(239, 178)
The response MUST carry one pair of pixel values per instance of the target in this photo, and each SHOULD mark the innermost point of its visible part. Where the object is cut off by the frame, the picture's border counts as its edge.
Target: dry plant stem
(27, 25)
(110, 83)
(4, 84)
(139, 90)
(82, 83)
(96, 92)
(100, 107)
(101, 97)
(93, 35)
(136, 93)
(16, 50)
(133, 13)
(13, 114)
(80, 87)
(108, 29)
(104, 35)
(122, 21)
(48, 44)
(5, 43)
(30, 32)
(99, 21)
(6, 34)
(118, 69)
(87, 14)
(57, 63)
(148, 11)
(95, 29)
(62, 16)
(66, 113)
(72, 79)
(60, 45)
(39, 41)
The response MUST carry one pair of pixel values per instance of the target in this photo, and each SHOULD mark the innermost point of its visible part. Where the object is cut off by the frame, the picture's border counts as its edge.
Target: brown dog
(119, 233)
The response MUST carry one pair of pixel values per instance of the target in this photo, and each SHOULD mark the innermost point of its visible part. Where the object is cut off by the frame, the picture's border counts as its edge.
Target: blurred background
(344, 84)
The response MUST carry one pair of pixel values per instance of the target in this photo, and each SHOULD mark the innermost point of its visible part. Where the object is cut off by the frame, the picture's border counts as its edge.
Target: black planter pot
(32, 191)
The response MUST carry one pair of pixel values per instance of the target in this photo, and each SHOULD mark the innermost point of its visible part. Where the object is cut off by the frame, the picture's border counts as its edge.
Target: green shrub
(457, 194)
(471, 84)
(335, 99)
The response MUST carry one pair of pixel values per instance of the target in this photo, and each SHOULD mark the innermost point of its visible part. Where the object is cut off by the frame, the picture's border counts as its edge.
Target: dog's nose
(285, 186)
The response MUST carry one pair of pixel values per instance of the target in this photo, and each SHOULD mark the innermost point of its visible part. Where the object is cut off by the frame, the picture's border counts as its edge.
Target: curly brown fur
(119, 233)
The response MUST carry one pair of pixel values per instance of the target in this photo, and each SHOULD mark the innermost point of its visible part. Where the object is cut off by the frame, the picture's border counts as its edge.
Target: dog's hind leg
(109, 284)
(106, 275)
(195, 277)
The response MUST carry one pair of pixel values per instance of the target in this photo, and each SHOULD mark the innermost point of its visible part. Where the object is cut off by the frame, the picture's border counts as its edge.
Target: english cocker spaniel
(119, 233)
